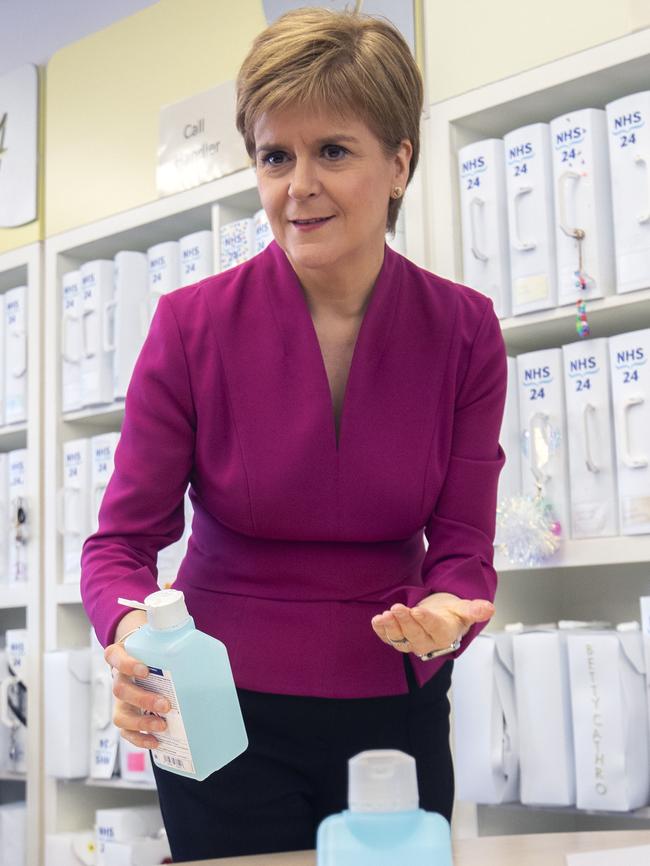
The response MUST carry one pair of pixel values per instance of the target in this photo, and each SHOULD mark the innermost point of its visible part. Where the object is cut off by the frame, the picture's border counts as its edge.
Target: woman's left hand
(435, 623)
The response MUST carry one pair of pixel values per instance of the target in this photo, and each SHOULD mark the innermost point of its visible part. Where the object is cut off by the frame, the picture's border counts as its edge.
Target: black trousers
(294, 772)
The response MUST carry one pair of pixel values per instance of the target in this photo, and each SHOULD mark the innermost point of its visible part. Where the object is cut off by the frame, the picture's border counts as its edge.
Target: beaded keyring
(582, 325)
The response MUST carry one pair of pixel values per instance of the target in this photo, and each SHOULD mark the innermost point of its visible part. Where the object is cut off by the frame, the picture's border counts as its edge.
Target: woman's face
(325, 185)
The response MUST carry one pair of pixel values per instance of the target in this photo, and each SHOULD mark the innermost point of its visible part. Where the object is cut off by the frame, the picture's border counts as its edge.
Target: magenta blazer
(297, 543)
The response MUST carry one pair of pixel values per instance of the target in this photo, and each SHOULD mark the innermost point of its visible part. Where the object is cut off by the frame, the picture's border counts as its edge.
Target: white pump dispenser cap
(382, 780)
(165, 608)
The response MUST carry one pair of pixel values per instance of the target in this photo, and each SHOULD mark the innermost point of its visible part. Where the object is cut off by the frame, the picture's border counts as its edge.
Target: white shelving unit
(21, 604)
(70, 804)
(597, 578)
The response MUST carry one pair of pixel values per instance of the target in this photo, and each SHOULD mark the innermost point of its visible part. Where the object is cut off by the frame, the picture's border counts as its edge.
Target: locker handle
(517, 242)
(109, 317)
(630, 461)
(475, 203)
(6, 717)
(102, 700)
(641, 159)
(589, 411)
(68, 318)
(562, 203)
(539, 446)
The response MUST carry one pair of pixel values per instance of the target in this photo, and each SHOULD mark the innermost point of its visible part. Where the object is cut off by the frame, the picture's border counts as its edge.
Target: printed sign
(199, 141)
(18, 146)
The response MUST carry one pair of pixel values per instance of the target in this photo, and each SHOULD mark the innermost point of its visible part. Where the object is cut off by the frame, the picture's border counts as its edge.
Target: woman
(327, 401)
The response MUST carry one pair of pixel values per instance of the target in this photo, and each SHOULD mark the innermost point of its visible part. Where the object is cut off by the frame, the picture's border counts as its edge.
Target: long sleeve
(142, 509)
(460, 531)
(290, 533)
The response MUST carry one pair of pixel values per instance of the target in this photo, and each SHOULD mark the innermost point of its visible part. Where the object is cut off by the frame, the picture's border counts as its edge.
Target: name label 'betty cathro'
(600, 782)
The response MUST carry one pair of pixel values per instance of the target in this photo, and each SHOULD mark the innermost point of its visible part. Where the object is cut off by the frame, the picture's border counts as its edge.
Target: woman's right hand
(131, 701)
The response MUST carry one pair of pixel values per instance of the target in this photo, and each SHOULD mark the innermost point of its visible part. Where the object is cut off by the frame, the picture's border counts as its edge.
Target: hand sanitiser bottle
(205, 729)
(383, 825)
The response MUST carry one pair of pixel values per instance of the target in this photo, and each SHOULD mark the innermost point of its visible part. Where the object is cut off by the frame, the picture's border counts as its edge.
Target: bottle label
(174, 749)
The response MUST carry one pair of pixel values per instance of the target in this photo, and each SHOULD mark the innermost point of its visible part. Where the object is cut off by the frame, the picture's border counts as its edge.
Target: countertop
(542, 849)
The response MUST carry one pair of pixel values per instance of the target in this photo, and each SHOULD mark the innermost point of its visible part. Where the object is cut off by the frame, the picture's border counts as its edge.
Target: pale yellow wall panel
(11, 239)
(105, 93)
(472, 42)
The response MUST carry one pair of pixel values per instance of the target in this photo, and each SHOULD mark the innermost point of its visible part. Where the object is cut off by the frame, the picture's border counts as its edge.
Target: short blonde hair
(356, 65)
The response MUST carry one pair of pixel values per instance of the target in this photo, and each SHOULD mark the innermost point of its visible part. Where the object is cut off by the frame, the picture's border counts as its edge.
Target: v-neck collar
(289, 305)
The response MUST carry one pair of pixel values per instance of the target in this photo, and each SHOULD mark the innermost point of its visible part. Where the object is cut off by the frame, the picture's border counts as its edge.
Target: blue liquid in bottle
(205, 729)
(383, 825)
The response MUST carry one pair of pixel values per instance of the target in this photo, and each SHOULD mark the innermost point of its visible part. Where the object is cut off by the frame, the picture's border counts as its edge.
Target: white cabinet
(595, 578)
(69, 805)
(20, 602)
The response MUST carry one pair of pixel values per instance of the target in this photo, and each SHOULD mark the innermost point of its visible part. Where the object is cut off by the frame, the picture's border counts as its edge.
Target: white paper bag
(263, 233)
(13, 698)
(66, 675)
(5, 537)
(15, 355)
(127, 317)
(485, 724)
(3, 357)
(544, 717)
(236, 242)
(103, 461)
(196, 257)
(5, 731)
(630, 372)
(484, 217)
(104, 736)
(164, 271)
(629, 156)
(529, 181)
(583, 200)
(645, 631)
(139, 852)
(71, 341)
(70, 849)
(542, 413)
(510, 478)
(16, 646)
(135, 764)
(18, 570)
(13, 834)
(610, 720)
(75, 505)
(98, 288)
(590, 431)
(124, 825)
